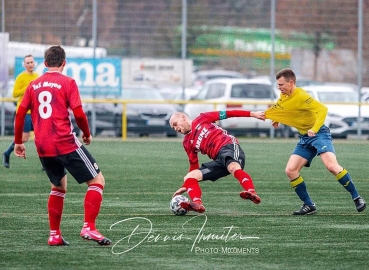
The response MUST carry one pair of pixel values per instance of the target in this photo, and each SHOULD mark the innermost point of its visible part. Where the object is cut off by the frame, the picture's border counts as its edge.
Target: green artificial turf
(141, 176)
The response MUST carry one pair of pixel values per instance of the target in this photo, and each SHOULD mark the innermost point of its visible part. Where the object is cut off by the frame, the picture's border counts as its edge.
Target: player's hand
(275, 124)
(179, 191)
(86, 140)
(311, 133)
(258, 115)
(20, 150)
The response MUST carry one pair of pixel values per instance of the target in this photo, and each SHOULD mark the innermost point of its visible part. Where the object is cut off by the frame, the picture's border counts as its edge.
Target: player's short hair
(287, 73)
(54, 56)
(28, 55)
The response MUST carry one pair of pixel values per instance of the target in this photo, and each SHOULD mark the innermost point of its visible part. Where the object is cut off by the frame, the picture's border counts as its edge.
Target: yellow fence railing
(178, 102)
(174, 102)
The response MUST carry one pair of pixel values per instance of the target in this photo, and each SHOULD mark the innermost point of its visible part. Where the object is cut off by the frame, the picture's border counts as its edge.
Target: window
(256, 91)
(338, 96)
(215, 90)
(202, 94)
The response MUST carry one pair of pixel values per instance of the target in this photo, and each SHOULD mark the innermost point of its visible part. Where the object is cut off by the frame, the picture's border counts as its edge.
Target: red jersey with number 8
(51, 98)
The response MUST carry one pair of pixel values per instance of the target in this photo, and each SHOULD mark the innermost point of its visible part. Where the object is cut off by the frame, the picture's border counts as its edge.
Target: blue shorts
(309, 147)
(27, 123)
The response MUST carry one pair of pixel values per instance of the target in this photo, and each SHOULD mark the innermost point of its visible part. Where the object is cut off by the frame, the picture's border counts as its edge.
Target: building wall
(137, 28)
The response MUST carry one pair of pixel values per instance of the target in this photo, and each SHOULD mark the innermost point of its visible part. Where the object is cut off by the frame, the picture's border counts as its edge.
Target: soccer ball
(176, 207)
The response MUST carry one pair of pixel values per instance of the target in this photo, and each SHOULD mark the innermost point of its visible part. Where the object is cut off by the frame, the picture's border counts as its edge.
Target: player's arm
(307, 102)
(19, 124)
(240, 113)
(193, 160)
(82, 123)
(275, 124)
(19, 148)
(321, 111)
(18, 89)
(194, 165)
(221, 115)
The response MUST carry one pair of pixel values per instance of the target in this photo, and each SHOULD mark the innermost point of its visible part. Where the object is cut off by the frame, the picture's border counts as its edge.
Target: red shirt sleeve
(193, 167)
(19, 124)
(237, 113)
(82, 121)
(220, 115)
(74, 97)
(194, 162)
(193, 159)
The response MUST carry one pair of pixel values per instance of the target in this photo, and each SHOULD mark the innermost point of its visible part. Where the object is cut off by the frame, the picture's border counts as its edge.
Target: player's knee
(62, 185)
(193, 174)
(233, 167)
(99, 179)
(334, 168)
(290, 172)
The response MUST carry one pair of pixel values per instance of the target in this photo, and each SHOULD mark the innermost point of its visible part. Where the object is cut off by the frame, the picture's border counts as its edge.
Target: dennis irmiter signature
(143, 232)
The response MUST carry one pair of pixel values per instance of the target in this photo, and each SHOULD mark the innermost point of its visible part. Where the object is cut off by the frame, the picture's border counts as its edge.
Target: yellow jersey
(299, 110)
(20, 85)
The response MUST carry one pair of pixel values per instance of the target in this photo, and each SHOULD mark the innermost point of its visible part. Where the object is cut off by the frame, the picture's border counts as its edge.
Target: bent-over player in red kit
(205, 136)
(50, 98)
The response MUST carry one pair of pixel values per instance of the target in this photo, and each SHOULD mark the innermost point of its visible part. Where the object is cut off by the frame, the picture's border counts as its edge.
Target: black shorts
(80, 164)
(217, 168)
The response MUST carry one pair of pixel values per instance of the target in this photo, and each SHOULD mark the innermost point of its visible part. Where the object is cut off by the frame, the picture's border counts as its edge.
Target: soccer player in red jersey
(205, 136)
(50, 99)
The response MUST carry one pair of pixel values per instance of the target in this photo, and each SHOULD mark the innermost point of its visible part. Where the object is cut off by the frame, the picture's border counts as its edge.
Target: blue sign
(94, 77)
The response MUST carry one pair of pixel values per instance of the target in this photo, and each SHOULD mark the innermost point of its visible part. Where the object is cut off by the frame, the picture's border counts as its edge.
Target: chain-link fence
(317, 38)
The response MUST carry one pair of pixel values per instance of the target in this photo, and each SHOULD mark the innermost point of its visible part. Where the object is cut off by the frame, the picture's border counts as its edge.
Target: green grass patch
(141, 176)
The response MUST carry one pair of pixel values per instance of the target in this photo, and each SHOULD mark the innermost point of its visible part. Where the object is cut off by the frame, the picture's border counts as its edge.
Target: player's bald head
(176, 116)
(180, 122)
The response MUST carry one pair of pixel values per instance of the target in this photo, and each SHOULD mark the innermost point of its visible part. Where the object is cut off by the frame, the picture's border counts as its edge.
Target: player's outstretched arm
(258, 115)
(241, 113)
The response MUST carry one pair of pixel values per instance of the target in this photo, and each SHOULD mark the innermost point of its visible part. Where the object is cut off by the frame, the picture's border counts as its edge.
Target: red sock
(55, 209)
(193, 189)
(244, 179)
(92, 204)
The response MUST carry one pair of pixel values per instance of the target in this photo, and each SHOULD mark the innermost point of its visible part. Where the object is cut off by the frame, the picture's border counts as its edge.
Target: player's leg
(233, 158)
(325, 149)
(84, 169)
(6, 155)
(212, 170)
(55, 205)
(293, 168)
(245, 181)
(92, 205)
(25, 136)
(343, 177)
(191, 184)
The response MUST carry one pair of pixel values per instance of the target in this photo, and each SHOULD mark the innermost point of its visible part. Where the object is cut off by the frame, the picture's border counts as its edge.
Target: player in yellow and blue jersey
(20, 85)
(296, 108)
